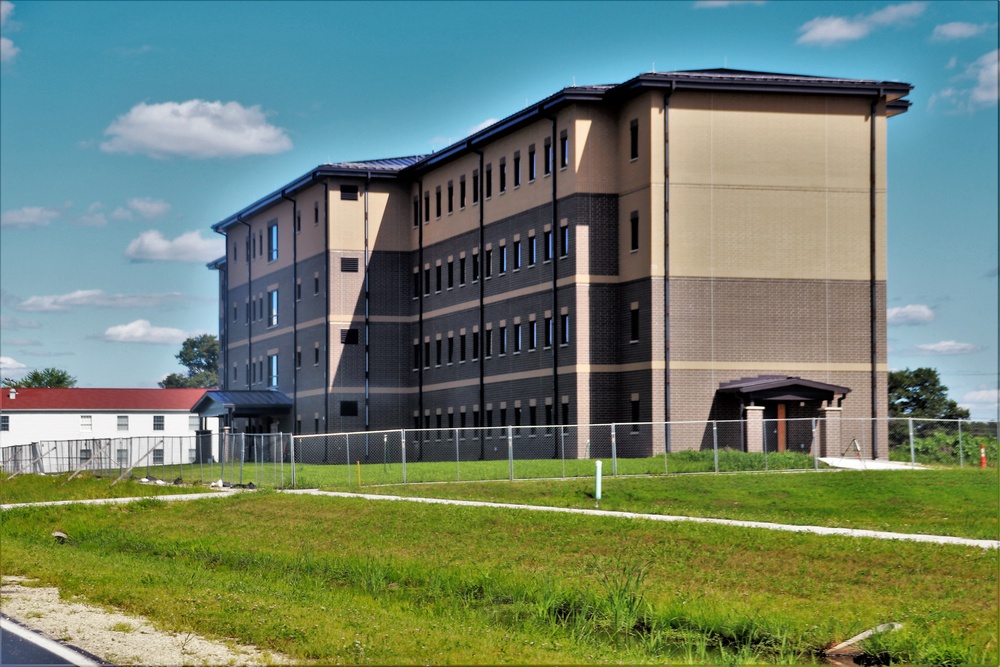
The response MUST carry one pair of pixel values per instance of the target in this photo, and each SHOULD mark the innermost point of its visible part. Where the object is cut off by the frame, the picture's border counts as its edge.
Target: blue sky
(128, 129)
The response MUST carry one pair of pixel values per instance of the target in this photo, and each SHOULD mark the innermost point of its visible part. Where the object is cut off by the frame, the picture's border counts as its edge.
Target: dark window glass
(348, 408)
(634, 230)
(633, 138)
(349, 192)
(634, 324)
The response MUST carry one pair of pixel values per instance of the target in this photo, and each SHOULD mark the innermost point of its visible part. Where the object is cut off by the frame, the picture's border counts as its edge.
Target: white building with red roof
(35, 415)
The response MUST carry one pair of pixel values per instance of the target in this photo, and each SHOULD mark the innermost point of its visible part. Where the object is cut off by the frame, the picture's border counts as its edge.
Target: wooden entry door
(782, 430)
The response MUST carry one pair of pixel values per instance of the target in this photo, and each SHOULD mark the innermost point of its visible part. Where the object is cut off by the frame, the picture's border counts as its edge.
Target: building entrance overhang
(243, 404)
(782, 389)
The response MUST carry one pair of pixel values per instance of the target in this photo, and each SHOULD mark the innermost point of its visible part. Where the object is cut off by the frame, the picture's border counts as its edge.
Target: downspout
(420, 308)
(666, 265)
(872, 284)
(224, 295)
(239, 219)
(482, 304)
(368, 181)
(555, 279)
(295, 308)
(326, 318)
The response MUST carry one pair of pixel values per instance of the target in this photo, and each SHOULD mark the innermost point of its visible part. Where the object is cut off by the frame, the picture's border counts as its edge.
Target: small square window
(86, 423)
(158, 423)
(122, 422)
(349, 192)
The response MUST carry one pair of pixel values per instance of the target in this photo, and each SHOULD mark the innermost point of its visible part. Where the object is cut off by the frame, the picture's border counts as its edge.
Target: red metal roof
(100, 399)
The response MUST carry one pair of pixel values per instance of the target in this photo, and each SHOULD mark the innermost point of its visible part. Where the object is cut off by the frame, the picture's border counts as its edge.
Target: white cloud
(6, 8)
(8, 323)
(152, 246)
(22, 342)
(949, 347)
(7, 50)
(828, 30)
(12, 367)
(909, 314)
(195, 129)
(28, 216)
(985, 71)
(141, 331)
(957, 30)
(148, 208)
(94, 298)
(988, 396)
(482, 126)
(94, 217)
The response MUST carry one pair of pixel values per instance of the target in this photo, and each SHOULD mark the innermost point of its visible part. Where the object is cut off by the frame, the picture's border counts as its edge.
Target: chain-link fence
(355, 460)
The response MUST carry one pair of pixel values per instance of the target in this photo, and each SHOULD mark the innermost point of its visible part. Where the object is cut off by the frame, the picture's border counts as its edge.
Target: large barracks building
(683, 246)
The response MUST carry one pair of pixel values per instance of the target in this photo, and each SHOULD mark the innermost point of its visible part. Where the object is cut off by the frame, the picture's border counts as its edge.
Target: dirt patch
(116, 637)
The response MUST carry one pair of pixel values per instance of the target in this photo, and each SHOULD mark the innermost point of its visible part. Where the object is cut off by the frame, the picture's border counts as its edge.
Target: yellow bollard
(359, 474)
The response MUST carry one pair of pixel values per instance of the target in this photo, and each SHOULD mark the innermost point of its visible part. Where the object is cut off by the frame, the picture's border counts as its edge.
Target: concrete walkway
(818, 530)
(120, 501)
(854, 463)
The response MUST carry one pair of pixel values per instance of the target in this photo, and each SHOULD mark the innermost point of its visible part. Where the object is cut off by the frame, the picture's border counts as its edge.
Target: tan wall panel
(595, 146)
(461, 220)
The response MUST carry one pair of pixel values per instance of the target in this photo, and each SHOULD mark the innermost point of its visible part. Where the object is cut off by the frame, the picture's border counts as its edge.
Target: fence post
(510, 450)
(291, 453)
(458, 458)
(402, 444)
(715, 443)
(614, 451)
(347, 462)
(913, 458)
(243, 455)
(961, 454)
(666, 447)
(562, 448)
(815, 445)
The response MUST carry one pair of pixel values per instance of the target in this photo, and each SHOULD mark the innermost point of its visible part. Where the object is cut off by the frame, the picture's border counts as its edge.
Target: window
(298, 291)
(503, 259)
(461, 348)
(253, 246)
(503, 175)
(272, 374)
(634, 230)
(488, 346)
(489, 181)
(437, 202)
(548, 332)
(158, 423)
(451, 349)
(158, 457)
(563, 149)
(635, 415)
(634, 324)
(316, 213)
(475, 267)
(451, 197)
(564, 329)
(427, 354)
(416, 356)
(235, 373)
(633, 139)
(122, 422)
(517, 255)
(272, 308)
(349, 193)
(532, 251)
(488, 263)
(349, 336)
(427, 206)
(548, 157)
(461, 191)
(316, 355)
(517, 169)
(437, 278)
(475, 345)
(121, 456)
(503, 340)
(451, 273)
(461, 270)
(517, 416)
(547, 249)
(532, 335)
(86, 423)
(4, 422)
(517, 337)
(437, 346)
(194, 422)
(298, 221)
(349, 264)
(532, 169)
(298, 359)
(475, 186)
(427, 280)
(416, 284)
(315, 285)
(416, 211)
(563, 240)
(565, 416)
(348, 408)
(272, 241)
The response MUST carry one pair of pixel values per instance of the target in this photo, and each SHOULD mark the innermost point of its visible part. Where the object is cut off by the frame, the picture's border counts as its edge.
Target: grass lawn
(959, 502)
(44, 488)
(352, 581)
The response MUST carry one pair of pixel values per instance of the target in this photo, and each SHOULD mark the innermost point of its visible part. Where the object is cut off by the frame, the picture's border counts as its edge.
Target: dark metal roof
(781, 387)
(393, 164)
(245, 403)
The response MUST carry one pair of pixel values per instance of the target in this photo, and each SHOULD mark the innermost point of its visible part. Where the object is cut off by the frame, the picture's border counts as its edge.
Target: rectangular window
(503, 175)
(475, 267)
(235, 373)
(563, 149)
(121, 457)
(564, 240)
(634, 325)
(86, 423)
(427, 280)
(349, 193)
(416, 211)
(532, 335)
(461, 191)
(634, 230)
(488, 263)
(253, 310)
(488, 346)
(437, 277)
(122, 422)
(461, 270)
(316, 213)
(564, 329)
(517, 338)
(315, 285)
(451, 273)
(416, 284)
(298, 359)
(489, 181)
(533, 415)
(517, 416)
(532, 170)
(517, 255)
(298, 291)
(437, 349)
(547, 250)
(348, 408)
(272, 242)
(349, 264)
(416, 356)
(517, 168)
(194, 422)
(503, 259)
(427, 206)
(451, 349)
(548, 157)
(532, 251)
(158, 423)
(427, 354)
(475, 345)
(157, 457)
(503, 416)
(437, 202)
(451, 197)
(548, 332)
(272, 308)
(349, 336)
(565, 416)
(635, 415)
(316, 356)
(475, 186)
(503, 340)
(298, 221)
(633, 139)
(272, 370)
(461, 348)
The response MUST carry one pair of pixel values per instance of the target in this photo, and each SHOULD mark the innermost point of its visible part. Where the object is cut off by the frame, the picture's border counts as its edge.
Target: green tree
(200, 355)
(919, 393)
(47, 377)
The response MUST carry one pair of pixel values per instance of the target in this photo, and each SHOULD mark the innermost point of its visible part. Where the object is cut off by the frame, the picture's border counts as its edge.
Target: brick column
(755, 428)
(829, 429)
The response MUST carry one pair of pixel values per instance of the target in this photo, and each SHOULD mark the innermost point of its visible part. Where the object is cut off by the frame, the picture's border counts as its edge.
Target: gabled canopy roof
(243, 403)
(74, 399)
(782, 388)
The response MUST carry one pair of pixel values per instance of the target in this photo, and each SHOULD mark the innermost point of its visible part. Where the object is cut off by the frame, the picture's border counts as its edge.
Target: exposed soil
(116, 637)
